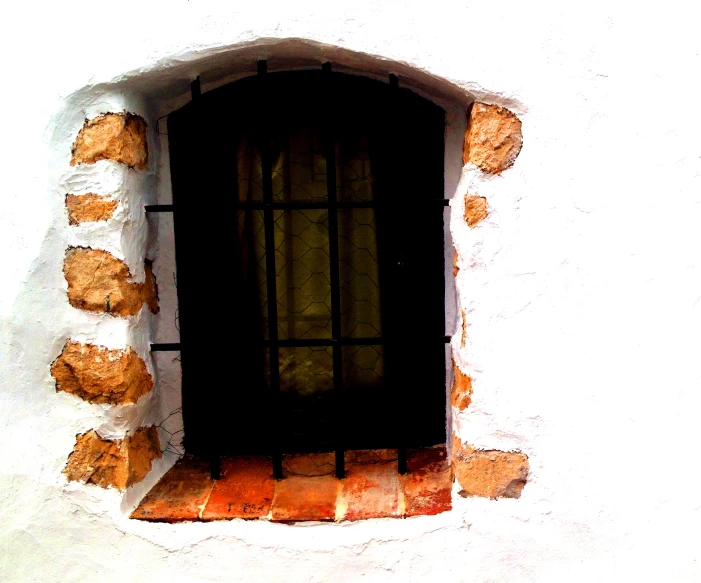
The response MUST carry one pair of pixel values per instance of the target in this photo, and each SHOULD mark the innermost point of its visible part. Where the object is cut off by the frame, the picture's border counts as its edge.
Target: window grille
(323, 191)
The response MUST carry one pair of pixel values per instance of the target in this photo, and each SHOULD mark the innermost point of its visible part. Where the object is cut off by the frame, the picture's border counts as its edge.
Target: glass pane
(299, 165)
(354, 171)
(249, 171)
(302, 266)
(306, 370)
(363, 367)
(251, 262)
(359, 273)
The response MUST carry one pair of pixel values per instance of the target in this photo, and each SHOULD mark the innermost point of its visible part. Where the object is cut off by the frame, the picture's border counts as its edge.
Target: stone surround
(100, 282)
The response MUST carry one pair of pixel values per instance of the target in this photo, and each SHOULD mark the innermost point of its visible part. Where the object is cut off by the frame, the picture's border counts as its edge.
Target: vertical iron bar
(214, 445)
(195, 88)
(269, 222)
(330, 155)
(401, 275)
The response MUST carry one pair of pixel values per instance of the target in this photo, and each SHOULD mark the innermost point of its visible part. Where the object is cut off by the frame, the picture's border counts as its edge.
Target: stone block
(475, 210)
(461, 393)
(113, 136)
(113, 463)
(99, 375)
(490, 473)
(89, 208)
(99, 282)
(493, 138)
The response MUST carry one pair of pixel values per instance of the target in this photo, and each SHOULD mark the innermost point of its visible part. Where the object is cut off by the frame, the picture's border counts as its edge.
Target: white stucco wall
(582, 286)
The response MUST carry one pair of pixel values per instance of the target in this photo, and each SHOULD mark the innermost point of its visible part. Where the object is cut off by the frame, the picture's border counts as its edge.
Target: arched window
(308, 213)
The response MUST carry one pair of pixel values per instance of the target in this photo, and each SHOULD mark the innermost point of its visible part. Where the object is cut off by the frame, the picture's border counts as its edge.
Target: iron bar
(269, 223)
(301, 205)
(196, 88)
(335, 278)
(395, 172)
(301, 343)
(159, 208)
(345, 341)
(165, 347)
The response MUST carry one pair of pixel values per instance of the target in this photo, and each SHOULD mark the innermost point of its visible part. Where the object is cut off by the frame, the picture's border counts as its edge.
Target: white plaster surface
(581, 289)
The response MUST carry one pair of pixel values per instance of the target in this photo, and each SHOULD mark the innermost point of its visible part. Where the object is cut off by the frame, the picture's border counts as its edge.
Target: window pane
(302, 265)
(306, 370)
(299, 165)
(354, 172)
(251, 262)
(363, 367)
(249, 171)
(359, 273)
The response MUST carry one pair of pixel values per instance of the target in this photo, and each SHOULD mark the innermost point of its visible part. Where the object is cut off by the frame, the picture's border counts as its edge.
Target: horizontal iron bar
(159, 208)
(371, 341)
(323, 205)
(167, 347)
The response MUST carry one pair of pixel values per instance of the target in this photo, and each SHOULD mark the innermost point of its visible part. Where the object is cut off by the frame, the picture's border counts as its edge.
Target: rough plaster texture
(580, 297)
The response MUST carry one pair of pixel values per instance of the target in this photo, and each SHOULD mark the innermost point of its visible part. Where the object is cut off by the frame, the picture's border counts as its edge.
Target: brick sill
(372, 488)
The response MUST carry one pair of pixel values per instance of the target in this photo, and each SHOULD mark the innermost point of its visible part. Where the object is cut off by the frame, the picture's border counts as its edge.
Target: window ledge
(372, 488)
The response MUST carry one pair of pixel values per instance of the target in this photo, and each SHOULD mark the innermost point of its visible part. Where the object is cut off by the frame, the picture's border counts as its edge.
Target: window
(308, 211)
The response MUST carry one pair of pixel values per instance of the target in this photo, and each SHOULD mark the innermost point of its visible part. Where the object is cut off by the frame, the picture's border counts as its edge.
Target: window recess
(308, 212)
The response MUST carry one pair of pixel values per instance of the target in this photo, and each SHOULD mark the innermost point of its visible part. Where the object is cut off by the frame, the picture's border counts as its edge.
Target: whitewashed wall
(583, 286)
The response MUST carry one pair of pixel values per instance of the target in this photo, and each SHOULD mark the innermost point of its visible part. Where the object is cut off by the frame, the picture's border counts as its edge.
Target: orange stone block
(461, 393)
(118, 463)
(89, 208)
(428, 482)
(489, 473)
(371, 487)
(113, 136)
(99, 282)
(493, 138)
(180, 495)
(245, 489)
(475, 210)
(299, 498)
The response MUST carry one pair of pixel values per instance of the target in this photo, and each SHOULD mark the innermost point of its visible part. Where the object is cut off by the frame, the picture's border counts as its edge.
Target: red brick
(371, 486)
(245, 489)
(428, 482)
(179, 495)
(309, 464)
(299, 498)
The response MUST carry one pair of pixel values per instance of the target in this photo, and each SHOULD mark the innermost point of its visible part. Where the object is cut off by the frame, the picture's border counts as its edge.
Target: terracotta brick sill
(372, 488)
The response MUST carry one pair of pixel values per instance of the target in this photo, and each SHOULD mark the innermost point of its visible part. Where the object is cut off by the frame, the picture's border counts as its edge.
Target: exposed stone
(493, 138)
(99, 375)
(99, 282)
(89, 208)
(489, 474)
(475, 210)
(113, 463)
(461, 394)
(113, 136)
